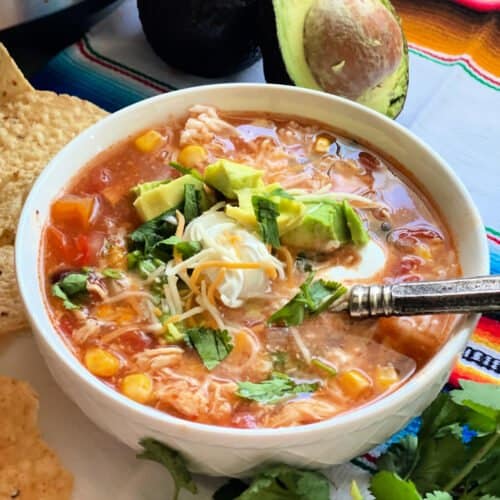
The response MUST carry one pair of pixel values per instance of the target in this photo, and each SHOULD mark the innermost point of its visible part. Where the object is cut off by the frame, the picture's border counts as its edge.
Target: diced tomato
(135, 341)
(67, 325)
(73, 212)
(81, 257)
(57, 242)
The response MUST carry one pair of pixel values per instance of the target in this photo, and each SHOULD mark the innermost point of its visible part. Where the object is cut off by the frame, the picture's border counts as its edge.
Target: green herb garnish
(267, 212)
(213, 346)
(329, 369)
(280, 482)
(438, 463)
(313, 298)
(185, 248)
(114, 274)
(172, 461)
(147, 235)
(279, 387)
(70, 287)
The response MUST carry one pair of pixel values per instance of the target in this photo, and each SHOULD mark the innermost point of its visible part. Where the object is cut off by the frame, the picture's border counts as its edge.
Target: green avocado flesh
(387, 96)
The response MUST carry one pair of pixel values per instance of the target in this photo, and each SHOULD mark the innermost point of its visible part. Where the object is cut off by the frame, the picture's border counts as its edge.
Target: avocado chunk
(359, 234)
(208, 38)
(140, 189)
(322, 229)
(228, 177)
(159, 199)
(351, 48)
(326, 226)
(290, 211)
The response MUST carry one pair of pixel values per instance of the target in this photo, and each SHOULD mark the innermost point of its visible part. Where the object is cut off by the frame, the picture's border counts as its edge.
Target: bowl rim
(408, 390)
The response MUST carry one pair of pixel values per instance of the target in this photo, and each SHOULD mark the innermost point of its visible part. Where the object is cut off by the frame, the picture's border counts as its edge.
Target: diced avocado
(228, 177)
(359, 234)
(323, 228)
(140, 189)
(159, 199)
(291, 211)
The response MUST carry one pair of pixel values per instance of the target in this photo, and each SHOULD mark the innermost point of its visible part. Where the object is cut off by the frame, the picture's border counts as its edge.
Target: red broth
(116, 328)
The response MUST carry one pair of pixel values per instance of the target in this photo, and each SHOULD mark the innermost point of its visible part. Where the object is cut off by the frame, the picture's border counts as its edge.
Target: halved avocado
(352, 48)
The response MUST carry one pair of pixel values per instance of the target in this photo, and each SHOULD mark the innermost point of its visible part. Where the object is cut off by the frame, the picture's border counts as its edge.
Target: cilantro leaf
(267, 212)
(70, 286)
(438, 495)
(146, 236)
(213, 346)
(401, 457)
(172, 460)
(482, 398)
(387, 485)
(185, 248)
(282, 482)
(313, 298)
(280, 386)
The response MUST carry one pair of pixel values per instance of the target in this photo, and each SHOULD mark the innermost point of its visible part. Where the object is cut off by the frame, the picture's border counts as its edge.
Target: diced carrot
(73, 211)
(354, 383)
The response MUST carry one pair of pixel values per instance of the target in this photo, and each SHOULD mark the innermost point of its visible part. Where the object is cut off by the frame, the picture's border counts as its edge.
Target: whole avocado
(352, 48)
(209, 38)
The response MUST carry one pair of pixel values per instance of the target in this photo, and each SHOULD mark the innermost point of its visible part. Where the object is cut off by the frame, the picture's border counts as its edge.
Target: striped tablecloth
(453, 104)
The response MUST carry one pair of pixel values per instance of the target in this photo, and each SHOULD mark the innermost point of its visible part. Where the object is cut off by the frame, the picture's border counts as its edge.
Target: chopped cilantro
(185, 248)
(280, 386)
(313, 298)
(213, 346)
(172, 461)
(279, 482)
(192, 202)
(146, 236)
(70, 287)
(326, 367)
(114, 274)
(267, 212)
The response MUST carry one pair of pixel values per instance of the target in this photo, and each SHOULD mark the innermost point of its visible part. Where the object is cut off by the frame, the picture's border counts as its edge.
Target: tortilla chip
(34, 126)
(12, 317)
(29, 469)
(12, 81)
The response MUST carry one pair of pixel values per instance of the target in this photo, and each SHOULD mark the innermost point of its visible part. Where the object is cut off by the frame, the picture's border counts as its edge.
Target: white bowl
(227, 451)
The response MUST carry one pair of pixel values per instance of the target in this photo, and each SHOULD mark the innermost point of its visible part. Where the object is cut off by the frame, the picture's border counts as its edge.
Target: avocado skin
(209, 38)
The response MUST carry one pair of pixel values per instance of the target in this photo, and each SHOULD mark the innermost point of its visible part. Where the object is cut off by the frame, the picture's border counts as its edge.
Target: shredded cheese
(181, 222)
(203, 301)
(283, 251)
(213, 286)
(269, 269)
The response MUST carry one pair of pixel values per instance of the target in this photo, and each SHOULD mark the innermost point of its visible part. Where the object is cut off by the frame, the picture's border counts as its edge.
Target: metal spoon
(481, 294)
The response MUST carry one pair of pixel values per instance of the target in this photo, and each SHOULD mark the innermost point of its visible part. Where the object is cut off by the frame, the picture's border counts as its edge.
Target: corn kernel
(149, 141)
(101, 363)
(322, 144)
(386, 376)
(138, 387)
(191, 156)
(354, 383)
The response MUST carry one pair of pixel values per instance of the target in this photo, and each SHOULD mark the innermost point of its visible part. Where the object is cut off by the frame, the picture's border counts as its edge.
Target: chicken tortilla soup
(196, 267)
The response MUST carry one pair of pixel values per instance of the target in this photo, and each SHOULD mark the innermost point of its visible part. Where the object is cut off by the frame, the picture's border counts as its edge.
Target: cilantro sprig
(213, 346)
(267, 212)
(279, 387)
(170, 459)
(70, 287)
(313, 298)
(440, 463)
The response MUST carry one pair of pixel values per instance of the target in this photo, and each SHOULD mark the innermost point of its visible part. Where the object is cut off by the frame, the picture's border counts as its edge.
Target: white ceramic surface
(225, 451)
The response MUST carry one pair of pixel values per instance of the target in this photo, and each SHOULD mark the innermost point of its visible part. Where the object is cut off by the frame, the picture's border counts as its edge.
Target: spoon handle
(481, 294)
